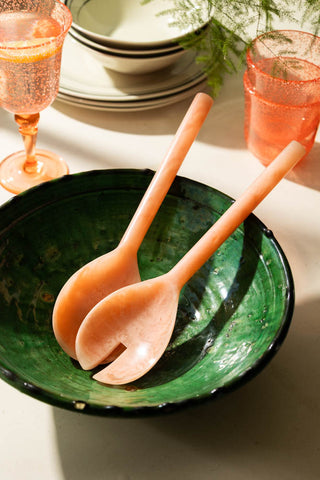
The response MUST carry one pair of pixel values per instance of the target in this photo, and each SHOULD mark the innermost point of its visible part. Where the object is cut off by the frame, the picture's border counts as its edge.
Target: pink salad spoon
(141, 317)
(109, 272)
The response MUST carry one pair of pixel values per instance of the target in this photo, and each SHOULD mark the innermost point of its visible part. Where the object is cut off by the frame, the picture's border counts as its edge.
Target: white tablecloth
(269, 428)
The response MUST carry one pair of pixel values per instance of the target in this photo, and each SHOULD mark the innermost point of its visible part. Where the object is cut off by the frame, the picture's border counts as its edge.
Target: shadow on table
(307, 172)
(223, 126)
(268, 428)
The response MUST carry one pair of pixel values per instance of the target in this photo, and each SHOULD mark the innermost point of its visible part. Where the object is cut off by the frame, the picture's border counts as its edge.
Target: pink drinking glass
(32, 33)
(282, 92)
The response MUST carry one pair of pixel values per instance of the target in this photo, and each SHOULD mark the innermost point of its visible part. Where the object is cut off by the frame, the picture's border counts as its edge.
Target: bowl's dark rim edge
(77, 405)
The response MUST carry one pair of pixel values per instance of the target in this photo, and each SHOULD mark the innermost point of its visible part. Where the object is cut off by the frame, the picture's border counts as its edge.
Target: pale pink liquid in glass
(273, 115)
(289, 68)
(29, 75)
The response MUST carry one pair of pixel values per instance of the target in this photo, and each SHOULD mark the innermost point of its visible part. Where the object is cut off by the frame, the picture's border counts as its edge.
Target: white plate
(84, 79)
(131, 106)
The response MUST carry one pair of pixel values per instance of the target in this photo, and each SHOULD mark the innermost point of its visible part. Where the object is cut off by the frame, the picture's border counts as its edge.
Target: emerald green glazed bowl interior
(233, 314)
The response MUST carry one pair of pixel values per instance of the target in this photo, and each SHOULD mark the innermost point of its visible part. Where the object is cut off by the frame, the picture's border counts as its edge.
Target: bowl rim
(77, 405)
(121, 44)
(128, 56)
(78, 36)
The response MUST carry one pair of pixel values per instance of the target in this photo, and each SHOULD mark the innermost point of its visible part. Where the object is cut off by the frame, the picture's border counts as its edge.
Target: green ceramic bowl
(233, 314)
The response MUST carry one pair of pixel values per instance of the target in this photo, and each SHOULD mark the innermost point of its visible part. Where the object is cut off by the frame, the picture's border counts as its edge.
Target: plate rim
(136, 94)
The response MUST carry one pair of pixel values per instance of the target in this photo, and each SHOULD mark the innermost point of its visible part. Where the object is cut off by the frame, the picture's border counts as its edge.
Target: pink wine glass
(31, 39)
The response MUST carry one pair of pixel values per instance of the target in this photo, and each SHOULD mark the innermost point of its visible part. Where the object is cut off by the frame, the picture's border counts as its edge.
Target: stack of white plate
(122, 55)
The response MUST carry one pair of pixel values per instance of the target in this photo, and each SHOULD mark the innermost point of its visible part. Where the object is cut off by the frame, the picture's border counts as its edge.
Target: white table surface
(269, 428)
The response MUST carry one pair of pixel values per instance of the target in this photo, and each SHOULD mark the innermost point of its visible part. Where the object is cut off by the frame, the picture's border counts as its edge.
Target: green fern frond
(221, 46)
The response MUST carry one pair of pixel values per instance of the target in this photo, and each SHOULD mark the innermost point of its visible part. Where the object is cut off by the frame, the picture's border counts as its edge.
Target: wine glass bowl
(31, 40)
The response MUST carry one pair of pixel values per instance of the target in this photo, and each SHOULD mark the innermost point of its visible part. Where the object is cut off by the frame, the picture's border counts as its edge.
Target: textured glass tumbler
(282, 92)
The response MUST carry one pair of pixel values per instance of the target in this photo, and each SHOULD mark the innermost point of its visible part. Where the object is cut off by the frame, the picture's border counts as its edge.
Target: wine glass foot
(15, 178)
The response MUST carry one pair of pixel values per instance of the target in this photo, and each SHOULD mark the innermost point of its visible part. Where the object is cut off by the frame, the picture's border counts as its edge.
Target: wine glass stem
(28, 127)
